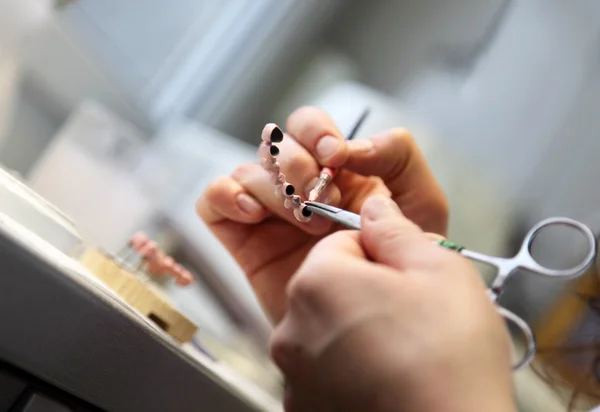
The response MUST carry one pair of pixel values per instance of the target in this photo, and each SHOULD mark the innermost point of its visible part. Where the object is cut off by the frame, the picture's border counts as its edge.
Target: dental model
(138, 240)
(182, 276)
(268, 152)
(156, 262)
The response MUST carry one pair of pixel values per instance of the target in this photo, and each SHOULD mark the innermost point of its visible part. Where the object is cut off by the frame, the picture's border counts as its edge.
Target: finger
(395, 157)
(300, 368)
(312, 294)
(332, 259)
(388, 236)
(316, 132)
(227, 199)
(335, 276)
(287, 347)
(342, 244)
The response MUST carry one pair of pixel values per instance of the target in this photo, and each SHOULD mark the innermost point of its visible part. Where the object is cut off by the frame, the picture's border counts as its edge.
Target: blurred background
(124, 111)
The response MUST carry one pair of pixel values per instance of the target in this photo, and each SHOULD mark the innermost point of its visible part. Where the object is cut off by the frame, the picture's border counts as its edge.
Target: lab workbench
(69, 344)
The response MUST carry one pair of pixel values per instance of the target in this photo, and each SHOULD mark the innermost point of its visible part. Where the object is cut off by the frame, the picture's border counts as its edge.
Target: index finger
(395, 157)
(316, 131)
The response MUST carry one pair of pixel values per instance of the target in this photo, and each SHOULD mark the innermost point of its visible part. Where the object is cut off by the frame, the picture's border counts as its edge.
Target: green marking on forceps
(450, 245)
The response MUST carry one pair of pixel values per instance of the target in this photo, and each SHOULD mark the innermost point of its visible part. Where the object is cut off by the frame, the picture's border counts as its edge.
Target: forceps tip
(312, 206)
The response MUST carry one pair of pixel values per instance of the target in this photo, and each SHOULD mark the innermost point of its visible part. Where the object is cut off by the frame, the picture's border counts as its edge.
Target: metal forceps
(505, 266)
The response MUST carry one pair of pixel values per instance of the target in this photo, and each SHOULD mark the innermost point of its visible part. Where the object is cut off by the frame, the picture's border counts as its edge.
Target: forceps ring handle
(527, 333)
(526, 260)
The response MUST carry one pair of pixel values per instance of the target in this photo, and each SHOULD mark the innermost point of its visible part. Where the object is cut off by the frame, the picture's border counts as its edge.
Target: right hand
(386, 320)
(269, 243)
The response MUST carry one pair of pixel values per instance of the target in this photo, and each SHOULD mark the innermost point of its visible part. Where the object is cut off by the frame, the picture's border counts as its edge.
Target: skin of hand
(269, 243)
(385, 320)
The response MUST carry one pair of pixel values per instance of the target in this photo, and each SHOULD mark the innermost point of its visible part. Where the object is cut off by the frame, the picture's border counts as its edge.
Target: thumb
(387, 236)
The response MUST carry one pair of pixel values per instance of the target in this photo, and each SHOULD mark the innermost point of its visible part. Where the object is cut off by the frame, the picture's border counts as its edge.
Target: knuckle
(243, 170)
(278, 345)
(308, 283)
(217, 184)
(204, 200)
(400, 141)
(304, 113)
(304, 286)
(284, 350)
(442, 206)
(300, 164)
(310, 123)
(199, 206)
(402, 135)
(437, 212)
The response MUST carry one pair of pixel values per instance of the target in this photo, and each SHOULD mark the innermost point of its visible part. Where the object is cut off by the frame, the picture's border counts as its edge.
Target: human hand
(411, 329)
(266, 239)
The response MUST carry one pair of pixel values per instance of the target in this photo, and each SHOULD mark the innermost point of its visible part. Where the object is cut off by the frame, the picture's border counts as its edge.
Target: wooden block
(145, 297)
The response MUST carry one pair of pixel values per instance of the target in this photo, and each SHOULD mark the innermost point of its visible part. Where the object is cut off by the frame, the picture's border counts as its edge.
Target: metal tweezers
(335, 214)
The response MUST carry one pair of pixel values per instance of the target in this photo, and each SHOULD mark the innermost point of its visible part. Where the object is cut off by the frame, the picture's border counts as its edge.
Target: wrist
(448, 397)
(377, 379)
(436, 401)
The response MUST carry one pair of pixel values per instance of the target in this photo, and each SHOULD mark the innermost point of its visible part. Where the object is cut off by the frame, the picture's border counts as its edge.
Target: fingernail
(361, 146)
(379, 207)
(248, 204)
(327, 146)
(435, 237)
(324, 197)
(310, 186)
